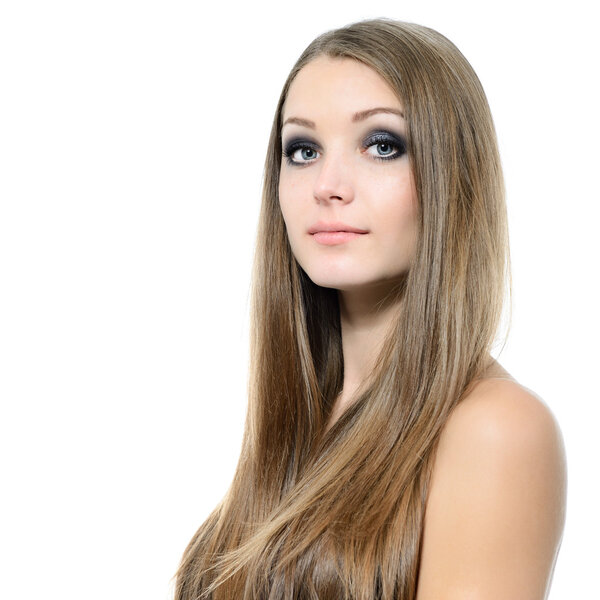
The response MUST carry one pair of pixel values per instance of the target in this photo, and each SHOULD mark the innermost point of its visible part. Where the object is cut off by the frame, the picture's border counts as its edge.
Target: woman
(386, 454)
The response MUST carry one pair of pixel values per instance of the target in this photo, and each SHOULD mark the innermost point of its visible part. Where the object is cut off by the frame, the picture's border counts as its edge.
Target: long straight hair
(317, 513)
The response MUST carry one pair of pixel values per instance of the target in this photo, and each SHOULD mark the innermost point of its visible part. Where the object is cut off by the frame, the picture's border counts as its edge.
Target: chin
(343, 283)
(336, 279)
(352, 280)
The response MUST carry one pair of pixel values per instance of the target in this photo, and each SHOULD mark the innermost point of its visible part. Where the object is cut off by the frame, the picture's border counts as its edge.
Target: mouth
(333, 234)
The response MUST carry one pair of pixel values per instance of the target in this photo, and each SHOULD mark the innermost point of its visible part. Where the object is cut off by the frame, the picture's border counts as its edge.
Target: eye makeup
(388, 145)
(298, 145)
(299, 151)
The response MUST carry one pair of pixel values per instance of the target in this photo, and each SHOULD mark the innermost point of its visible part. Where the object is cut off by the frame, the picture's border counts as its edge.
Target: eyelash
(373, 139)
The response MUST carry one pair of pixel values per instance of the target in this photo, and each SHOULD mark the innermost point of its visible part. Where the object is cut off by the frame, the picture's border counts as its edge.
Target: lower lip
(334, 238)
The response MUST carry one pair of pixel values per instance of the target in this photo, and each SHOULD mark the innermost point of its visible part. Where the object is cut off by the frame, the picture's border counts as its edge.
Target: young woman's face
(346, 190)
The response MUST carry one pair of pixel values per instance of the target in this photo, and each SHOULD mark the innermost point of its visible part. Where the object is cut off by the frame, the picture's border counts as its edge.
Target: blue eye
(383, 149)
(383, 145)
(300, 152)
(306, 153)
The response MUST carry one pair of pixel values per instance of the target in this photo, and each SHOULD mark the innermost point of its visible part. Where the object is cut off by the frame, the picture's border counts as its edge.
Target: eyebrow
(365, 114)
(356, 117)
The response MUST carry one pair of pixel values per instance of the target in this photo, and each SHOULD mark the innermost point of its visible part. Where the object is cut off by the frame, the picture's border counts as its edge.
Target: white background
(132, 140)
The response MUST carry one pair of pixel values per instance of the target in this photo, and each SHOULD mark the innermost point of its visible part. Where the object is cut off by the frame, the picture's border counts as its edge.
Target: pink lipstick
(333, 234)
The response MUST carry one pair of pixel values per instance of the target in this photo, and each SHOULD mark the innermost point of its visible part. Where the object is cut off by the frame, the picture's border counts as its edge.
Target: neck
(366, 316)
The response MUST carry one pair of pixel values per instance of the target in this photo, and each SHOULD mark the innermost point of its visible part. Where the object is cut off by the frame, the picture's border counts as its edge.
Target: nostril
(332, 189)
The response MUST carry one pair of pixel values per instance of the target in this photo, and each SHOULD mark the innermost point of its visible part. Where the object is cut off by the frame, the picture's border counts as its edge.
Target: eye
(300, 152)
(304, 154)
(384, 145)
(382, 149)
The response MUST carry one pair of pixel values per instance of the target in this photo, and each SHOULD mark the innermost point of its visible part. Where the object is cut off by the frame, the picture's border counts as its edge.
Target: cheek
(291, 217)
(285, 205)
(399, 219)
(292, 204)
(398, 210)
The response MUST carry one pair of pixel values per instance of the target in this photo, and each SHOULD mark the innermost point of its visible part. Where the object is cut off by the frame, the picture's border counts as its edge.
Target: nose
(334, 181)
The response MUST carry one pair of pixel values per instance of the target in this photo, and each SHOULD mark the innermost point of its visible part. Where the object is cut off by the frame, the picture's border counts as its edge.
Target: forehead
(342, 84)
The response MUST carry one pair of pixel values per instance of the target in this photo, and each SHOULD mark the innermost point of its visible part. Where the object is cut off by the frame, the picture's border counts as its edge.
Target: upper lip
(321, 226)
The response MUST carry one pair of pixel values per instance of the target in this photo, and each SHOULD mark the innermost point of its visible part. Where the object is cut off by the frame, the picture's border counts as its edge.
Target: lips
(321, 227)
(334, 234)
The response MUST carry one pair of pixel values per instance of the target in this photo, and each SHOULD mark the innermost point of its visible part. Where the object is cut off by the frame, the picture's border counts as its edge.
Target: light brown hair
(330, 514)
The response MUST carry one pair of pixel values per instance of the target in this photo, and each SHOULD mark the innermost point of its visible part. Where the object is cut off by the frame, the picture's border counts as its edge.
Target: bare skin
(496, 501)
(365, 318)
(346, 167)
(496, 504)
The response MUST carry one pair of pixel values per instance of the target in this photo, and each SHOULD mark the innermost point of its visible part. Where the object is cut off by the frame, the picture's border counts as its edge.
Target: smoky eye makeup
(385, 145)
(379, 144)
(299, 151)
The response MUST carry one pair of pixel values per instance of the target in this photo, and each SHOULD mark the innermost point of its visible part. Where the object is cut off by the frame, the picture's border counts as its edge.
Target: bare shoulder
(502, 416)
(496, 503)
